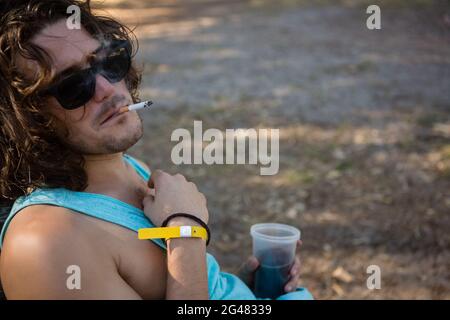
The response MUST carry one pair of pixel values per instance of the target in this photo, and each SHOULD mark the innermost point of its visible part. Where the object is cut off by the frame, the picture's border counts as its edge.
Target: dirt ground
(364, 119)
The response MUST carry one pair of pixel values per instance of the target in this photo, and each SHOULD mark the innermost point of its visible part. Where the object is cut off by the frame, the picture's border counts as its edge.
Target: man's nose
(103, 88)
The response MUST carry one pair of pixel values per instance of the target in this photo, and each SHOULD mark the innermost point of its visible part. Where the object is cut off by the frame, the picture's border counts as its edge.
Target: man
(60, 91)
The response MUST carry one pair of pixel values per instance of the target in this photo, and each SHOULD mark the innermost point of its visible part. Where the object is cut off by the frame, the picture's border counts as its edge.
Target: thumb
(249, 267)
(252, 264)
(247, 271)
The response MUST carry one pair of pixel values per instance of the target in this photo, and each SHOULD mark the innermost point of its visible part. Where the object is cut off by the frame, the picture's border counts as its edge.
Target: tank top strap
(92, 204)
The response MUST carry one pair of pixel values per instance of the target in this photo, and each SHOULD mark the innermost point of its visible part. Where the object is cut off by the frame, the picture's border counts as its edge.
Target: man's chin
(116, 144)
(112, 143)
(121, 138)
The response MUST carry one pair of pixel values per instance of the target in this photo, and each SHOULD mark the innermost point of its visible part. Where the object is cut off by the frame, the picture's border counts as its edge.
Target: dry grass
(369, 187)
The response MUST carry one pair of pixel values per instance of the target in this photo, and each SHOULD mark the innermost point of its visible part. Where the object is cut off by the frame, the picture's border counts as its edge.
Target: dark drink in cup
(274, 246)
(270, 281)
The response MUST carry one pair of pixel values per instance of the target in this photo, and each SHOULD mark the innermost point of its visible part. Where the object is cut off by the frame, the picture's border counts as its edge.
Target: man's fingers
(291, 285)
(295, 267)
(155, 177)
(180, 177)
(251, 265)
(148, 199)
(294, 276)
(247, 270)
(151, 192)
(299, 244)
(151, 181)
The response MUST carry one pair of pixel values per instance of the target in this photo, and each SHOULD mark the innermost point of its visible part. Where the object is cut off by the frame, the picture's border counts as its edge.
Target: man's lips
(108, 118)
(115, 112)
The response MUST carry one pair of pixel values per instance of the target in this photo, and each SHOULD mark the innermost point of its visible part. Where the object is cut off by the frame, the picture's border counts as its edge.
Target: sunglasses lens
(116, 66)
(76, 90)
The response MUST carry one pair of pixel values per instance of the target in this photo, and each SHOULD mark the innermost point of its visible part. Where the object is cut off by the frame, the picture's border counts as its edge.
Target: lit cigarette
(136, 106)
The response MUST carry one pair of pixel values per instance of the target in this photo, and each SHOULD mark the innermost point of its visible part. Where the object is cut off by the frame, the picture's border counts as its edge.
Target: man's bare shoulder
(41, 231)
(36, 250)
(52, 228)
(41, 245)
(41, 222)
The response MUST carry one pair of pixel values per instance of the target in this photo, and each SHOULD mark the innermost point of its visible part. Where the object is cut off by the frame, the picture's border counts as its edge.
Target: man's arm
(186, 264)
(46, 258)
(186, 260)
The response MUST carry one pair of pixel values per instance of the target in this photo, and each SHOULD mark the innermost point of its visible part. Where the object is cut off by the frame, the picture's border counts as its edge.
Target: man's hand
(172, 194)
(187, 276)
(247, 272)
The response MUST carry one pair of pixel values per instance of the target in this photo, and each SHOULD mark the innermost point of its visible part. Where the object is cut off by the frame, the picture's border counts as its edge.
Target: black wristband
(190, 216)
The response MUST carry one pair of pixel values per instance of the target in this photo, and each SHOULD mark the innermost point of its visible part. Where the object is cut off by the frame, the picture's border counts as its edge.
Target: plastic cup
(274, 246)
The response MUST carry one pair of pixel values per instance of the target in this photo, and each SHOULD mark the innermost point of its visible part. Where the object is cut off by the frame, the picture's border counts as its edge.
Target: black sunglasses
(78, 88)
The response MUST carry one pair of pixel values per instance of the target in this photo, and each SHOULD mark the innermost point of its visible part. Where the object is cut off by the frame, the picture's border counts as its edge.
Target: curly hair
(31, 154)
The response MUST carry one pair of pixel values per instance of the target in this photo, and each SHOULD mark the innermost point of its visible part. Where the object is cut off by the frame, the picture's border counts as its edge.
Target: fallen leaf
(342, 275)
(337, 289)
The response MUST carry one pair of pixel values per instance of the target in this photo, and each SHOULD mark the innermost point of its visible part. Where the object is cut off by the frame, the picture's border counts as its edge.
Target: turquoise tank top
(221, 285)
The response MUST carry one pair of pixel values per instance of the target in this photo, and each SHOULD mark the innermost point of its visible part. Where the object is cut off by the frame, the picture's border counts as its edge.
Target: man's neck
(107, 171)
(112, 176)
